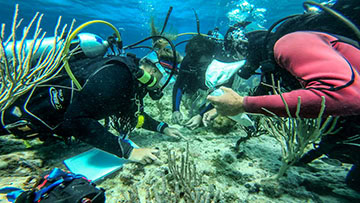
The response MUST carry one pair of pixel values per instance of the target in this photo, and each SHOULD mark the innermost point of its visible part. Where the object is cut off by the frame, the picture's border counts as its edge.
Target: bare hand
(177, 117)
(144, 155)
(194, 122)
(228, 104)
(173, 132)
(209, 116)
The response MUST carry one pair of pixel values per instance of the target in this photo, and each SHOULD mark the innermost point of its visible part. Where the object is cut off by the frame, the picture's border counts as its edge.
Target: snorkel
(156, 94)
(195, 33)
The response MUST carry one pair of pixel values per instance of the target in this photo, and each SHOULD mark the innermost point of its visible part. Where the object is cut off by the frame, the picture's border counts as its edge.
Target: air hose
(192, 33)
(326, 9)
(335, 14)
(73, 35)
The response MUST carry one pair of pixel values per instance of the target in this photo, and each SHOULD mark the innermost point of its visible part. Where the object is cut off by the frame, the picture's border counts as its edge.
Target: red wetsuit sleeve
(320, 64)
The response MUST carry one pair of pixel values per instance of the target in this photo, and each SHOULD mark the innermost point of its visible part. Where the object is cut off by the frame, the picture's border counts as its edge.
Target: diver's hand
(144, 155)
(194, 122)
(228, 104)
(177, 117)
(209, 116)
(173, 132)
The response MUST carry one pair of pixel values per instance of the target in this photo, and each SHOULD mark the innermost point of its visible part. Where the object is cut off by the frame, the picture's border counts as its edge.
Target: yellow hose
(195, 33)
(72, 36)
(191, 33)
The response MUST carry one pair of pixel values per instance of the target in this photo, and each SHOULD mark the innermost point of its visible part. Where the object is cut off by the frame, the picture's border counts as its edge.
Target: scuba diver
(201, 71)
(113, 86)
(235, 38)
(199, 54)
(198, 76)
(313, 54)
(216, 35)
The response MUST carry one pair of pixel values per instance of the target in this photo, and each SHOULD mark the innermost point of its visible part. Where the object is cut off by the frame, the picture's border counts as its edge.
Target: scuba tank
(91, 45)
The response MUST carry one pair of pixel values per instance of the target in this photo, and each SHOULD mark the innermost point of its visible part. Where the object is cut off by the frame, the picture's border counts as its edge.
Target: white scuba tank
(90, 44)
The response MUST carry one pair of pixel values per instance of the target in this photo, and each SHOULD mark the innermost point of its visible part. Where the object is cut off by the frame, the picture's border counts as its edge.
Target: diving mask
(165, 67)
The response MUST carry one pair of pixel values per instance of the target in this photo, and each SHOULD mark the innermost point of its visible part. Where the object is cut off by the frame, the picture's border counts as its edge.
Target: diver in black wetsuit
(110, 89)
(199, 54)
(202, 54)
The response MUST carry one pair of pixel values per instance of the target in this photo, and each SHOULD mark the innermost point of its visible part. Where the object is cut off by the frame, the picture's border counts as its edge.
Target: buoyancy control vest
(39, 112)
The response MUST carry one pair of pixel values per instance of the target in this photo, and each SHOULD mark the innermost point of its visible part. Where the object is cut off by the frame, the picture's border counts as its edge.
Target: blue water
(132, 17)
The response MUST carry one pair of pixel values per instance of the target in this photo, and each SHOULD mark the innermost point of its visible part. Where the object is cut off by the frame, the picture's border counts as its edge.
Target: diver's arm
(161, 127)
(206, 109)
(181, 80)
(93, 133)
(153, 125)
(177, 95)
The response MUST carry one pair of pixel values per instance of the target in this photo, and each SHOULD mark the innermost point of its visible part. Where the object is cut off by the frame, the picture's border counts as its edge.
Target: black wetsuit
(191, 78)
(109, 88)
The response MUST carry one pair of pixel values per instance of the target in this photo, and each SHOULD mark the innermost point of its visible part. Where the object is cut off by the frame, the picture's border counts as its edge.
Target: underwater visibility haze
(226, 162)
(132, 17)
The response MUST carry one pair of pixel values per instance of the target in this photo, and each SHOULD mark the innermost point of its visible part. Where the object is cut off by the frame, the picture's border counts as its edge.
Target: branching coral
(186, 173)
(18, 74)
(182, 184)
(251, 132)
(295, 134)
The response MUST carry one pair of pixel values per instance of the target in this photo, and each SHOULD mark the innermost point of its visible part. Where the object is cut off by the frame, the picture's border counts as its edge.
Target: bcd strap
(54, 174)
(11, 193)
(62, 187)
(346, 40)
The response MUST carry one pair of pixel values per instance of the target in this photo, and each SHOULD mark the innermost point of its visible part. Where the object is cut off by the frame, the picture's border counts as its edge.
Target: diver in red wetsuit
(324, 67)
(309, 64)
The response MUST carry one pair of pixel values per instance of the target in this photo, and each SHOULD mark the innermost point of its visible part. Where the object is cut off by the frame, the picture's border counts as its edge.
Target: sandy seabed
(237, 175)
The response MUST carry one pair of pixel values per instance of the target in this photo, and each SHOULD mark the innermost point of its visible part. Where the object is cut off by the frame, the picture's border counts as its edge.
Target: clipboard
(95, 164)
